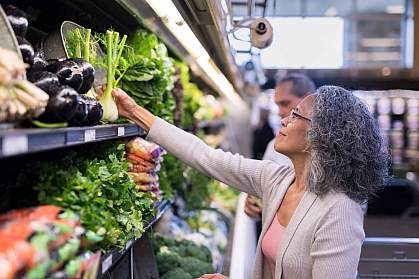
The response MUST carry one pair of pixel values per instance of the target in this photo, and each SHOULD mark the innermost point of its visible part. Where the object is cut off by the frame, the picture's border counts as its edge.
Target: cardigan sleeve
(247, 175)
(337, 242)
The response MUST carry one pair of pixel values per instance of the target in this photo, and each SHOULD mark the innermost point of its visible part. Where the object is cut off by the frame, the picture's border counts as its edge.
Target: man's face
(284, 98)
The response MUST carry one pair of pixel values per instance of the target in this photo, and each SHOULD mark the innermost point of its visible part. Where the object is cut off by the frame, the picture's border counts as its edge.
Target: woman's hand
(213, 276)
(129, 109)
(252, 208)
(125, 103)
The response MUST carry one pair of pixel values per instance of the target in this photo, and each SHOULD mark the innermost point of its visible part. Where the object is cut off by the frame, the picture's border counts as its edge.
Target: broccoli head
(195, 267)
(166, 260)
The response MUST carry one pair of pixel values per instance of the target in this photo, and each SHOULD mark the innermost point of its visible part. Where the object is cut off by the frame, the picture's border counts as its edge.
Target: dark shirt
(261, 137)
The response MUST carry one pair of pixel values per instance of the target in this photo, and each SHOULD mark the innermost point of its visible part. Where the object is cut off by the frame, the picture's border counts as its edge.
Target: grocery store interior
(86, 191)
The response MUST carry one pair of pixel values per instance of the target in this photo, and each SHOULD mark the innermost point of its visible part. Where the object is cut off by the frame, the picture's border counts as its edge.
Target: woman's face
(291, 139)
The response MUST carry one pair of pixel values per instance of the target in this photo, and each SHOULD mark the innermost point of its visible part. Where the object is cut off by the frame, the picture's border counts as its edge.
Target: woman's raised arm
(247, 175)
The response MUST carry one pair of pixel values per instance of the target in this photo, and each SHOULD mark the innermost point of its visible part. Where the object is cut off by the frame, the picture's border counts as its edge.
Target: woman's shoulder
(273, 172)
(339, 203)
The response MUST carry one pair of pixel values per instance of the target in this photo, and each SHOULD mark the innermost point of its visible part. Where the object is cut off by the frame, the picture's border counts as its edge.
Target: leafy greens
(148, 74)
(99, 189)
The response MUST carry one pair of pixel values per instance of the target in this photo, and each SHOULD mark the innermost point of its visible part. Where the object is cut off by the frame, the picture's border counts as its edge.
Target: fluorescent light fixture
(174, 21)
(376, 56)
(379, 42)
(171, 17)
(395, 9)
(224, 86)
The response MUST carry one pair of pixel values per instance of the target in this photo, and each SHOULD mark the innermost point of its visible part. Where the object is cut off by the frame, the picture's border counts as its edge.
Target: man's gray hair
(348, 154)
(302, 85)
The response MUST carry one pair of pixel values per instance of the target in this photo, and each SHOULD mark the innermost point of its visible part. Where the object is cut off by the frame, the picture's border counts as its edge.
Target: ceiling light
(169, 14)
(395, 9)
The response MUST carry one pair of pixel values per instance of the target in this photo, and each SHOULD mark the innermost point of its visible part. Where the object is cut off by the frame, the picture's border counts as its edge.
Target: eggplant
(62, 106)
(39, 61)
(88, 74)
(17, 19)
(68, 72)
(95, 111)
(81, 114)
(47, 81)
(26, 49)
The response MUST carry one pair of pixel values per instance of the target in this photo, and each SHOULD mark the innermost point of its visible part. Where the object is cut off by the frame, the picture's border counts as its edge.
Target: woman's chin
(279, 147)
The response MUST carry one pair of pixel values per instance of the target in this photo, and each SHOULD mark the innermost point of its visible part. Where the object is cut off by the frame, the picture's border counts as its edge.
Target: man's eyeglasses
(294, 115)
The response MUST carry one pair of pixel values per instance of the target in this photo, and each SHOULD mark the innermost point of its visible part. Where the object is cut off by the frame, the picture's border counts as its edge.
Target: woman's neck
(300, 164)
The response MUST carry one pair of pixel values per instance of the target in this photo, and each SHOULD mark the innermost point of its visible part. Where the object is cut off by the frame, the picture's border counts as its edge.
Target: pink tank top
(270, 243)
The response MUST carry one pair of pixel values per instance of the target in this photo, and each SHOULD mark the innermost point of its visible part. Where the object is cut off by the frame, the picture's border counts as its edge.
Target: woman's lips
(281, 133)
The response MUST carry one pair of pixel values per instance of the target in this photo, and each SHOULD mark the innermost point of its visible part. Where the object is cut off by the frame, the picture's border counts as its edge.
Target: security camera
(261, 34)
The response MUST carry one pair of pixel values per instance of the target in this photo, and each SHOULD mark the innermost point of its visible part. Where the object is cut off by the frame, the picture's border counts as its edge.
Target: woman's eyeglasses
(294, 115)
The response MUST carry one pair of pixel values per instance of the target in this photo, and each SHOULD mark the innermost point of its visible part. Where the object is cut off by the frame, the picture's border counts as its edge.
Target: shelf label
(14, 144)
(106, 264)
(89, 135)
(121, 131)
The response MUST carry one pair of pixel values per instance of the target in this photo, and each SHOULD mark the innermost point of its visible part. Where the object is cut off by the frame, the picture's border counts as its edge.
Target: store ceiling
(275, 8)
(384, 63)
(207, 19)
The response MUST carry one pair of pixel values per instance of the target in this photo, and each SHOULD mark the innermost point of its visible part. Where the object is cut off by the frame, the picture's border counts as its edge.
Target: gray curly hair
(348, 154)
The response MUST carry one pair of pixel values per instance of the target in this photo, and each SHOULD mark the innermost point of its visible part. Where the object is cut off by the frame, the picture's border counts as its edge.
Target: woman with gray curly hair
(312, 218)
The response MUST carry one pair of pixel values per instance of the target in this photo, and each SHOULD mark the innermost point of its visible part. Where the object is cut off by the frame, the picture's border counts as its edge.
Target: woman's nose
(285, 121)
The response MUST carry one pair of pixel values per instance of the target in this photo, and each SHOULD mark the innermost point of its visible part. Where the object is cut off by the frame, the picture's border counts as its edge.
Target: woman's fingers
(251, 208)
(118, 93)
(100, 92)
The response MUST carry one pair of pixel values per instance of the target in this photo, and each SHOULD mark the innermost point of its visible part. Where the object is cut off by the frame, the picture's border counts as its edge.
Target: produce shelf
(110, 261)
(24, 141)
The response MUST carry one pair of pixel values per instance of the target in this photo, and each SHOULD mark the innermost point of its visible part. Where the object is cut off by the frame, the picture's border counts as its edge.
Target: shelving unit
(24, 141)
(111, 260)
(18, 146)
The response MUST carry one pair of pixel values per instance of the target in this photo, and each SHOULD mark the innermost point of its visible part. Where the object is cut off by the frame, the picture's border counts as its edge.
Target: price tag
(106, 264)
(121, 131)
(89, 135)
(15, 144)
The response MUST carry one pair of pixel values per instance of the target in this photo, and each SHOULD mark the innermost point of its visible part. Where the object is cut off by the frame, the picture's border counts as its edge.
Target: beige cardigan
(325, 234)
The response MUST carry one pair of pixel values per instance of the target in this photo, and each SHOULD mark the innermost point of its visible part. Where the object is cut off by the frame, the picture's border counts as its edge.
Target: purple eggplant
(47, 81)
(17, 19)
(88, 74)
(68, 72)
(39, 61)
(95, 111)
(62, 106)
(26, 49)
(81, 114)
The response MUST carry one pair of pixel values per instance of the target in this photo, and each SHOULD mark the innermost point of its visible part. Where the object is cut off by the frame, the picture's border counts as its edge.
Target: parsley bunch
(98, 187)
